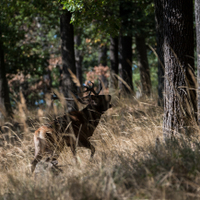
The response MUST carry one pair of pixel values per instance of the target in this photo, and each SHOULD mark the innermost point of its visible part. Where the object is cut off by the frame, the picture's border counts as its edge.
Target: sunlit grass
(129, 163)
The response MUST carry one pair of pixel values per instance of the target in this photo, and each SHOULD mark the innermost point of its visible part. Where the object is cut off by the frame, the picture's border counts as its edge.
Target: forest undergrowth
(131, 160)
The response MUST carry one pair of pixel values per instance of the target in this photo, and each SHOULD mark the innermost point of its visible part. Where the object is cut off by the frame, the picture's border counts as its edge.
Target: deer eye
(94, 102)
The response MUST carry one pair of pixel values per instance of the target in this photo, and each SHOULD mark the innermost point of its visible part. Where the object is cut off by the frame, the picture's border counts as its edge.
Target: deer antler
(91, 88)
(54, 96)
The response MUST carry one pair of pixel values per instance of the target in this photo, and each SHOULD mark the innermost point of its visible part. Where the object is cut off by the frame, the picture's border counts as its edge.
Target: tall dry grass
(129, 163)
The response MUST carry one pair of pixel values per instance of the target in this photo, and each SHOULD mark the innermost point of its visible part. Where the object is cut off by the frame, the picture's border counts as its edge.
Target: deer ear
(108, 97)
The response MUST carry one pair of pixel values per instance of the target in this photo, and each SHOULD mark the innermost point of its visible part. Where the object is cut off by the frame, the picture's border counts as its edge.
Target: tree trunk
(103, 55)
(68, 58)
(159, 49)
(4, 90)
(126, 64)
(197, 17)
(125, 47)
(143, 65)
(114, 62)
(78, 58)
(180, 95)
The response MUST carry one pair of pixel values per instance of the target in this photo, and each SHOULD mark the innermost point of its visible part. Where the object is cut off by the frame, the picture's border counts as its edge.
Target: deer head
(101, 103)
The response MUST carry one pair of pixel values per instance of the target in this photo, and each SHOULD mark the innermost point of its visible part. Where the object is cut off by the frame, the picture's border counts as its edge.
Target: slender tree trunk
(114, 62)
(68, 58)
(50, 78)
(197, 17)
(159, 49)
(125, 47)
(143, 65)
(4, 90)
(78, 58)
(126, 64)
(103, 55)
(180, 95)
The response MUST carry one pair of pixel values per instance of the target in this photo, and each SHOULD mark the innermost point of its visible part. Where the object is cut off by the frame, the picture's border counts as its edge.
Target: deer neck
(92, 114)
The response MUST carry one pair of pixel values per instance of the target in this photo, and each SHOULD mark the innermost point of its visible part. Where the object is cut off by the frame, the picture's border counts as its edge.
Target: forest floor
(130, 161)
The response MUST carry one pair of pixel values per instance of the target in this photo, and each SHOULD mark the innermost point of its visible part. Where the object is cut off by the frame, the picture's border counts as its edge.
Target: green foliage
(56, 77)
(91, 40)
(26, 28)
(143, 18)
(153, 72)
(104, 14)
(29, 32)
(72, 6)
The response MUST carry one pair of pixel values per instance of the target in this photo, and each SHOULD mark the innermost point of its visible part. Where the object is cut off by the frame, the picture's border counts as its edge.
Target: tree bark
(4, 90)
(125, 47)
(197, 18)
(180, 95)
(78, 58)
(114, 62)
(126, 64)
(160, 41)
(143, 65)
(68, 58)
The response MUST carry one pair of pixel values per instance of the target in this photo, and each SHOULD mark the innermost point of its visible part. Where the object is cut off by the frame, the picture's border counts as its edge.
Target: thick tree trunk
(114, 62)
(125, 47)
(143, 65)
(160, 41)
(68, 58)
(197, 17)
(78, 58)
(4, 90)
(180, 95)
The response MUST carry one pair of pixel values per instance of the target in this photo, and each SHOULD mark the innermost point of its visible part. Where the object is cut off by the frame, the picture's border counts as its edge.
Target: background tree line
(43, 42)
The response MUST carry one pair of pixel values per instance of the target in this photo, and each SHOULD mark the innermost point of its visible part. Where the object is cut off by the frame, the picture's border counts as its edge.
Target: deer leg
(35, 162)
(39, 151)
(92, 150)
(86, 143)
(56, 153)
(53, 159)
(73, 149)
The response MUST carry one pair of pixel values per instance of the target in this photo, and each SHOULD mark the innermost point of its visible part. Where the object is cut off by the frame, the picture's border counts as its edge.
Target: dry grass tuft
(129, 163)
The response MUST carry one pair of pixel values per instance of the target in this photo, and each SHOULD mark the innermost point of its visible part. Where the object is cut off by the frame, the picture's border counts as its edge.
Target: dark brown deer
(72, 129)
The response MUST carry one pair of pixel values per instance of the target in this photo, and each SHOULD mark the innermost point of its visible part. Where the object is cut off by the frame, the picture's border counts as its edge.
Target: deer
(71, 129)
